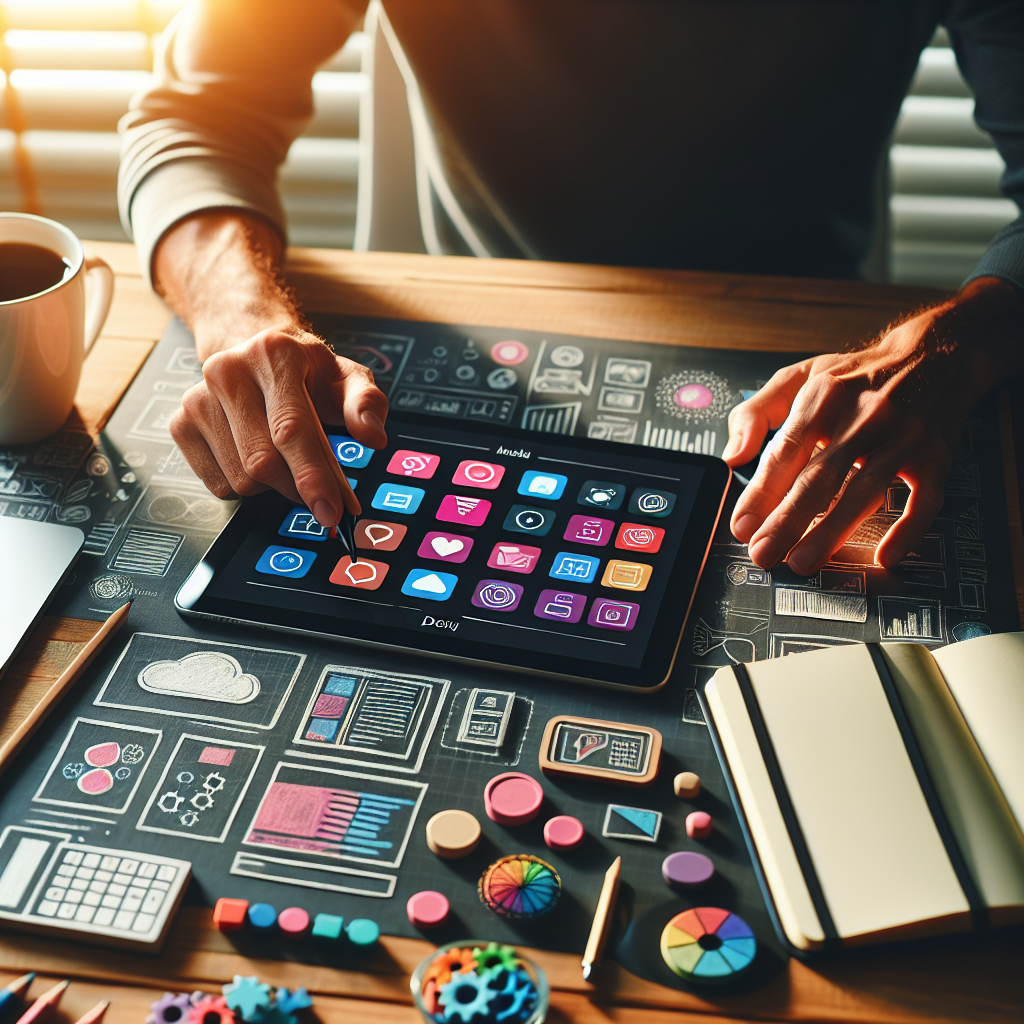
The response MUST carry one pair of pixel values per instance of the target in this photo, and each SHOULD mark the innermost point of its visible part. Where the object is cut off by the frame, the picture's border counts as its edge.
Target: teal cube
(328, 926)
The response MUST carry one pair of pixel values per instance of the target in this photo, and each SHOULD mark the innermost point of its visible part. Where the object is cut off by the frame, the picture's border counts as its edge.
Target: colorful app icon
(606, 614)
(478, 474)
(418, 464)
(278, 561)
(542, 485)
(527, 519)
(455, 508)
(365, 574)
(398, 498)
(581, 568)
(497, 595)
(648, 502)
(626, 575)
(301, 523)
(434, 586)
(560, 605)
(513, 557)
(509, 353)
(588, 530)
(377, 535)
(349, 452)
(449, 547)
(602, 494)
(635, 537)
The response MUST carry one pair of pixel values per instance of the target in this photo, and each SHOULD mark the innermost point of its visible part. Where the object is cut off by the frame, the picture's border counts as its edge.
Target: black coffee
(27, 269)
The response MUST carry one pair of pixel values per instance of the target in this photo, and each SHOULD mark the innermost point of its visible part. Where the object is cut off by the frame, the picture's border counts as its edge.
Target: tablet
(554, 555)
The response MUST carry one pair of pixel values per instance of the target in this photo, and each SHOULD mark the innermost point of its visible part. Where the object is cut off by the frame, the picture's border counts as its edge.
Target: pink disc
(513, 798)
(427, 909)
(693, 396)
(99, 780)
(564, 832)
(102, 755)
(293, 922)
(698, 825)
(509, 353)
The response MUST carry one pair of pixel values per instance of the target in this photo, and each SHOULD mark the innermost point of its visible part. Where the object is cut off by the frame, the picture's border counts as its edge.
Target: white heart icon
(446, 546)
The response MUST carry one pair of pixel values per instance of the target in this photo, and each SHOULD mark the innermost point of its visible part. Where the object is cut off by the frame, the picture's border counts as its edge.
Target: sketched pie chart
(708, 945)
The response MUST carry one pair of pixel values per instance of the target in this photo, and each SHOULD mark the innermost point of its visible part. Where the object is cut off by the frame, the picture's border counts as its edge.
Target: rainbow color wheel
(708, 945)
(520, 886)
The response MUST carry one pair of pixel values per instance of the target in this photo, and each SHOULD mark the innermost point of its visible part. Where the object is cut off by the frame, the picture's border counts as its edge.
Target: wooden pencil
(65, 681)
(95, 1015)
(47, 1001)
(602, 918)
(11, 994)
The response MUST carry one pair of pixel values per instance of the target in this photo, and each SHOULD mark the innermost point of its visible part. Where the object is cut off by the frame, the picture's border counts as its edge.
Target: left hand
(850, 423)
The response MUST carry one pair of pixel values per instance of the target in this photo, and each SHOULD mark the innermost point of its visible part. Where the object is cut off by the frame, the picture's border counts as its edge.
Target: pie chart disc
(708, 945)
(520, 886)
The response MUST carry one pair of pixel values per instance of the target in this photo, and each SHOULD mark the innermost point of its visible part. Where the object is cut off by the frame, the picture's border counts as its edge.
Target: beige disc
(452, 834)
(686, 785)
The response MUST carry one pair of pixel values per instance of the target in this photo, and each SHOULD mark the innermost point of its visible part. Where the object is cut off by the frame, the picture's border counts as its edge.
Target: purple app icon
(560, 605)
(607, 614)
(589, 530)
(497, 595)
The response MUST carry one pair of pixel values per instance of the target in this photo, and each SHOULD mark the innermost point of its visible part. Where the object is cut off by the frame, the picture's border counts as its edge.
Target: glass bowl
(490, 975)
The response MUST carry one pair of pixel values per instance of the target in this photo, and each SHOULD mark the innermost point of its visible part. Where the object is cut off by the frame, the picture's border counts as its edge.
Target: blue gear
(246, 996)
(273, 1015)
(520, 987)
(300, 999)
(465, 1009)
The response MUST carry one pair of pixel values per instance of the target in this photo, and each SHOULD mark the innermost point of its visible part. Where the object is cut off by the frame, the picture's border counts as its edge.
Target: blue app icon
(300, 523)
(278, 561)
(434, 586)
(349, 452)
(569, 566)
(542, 485)
(398, 498)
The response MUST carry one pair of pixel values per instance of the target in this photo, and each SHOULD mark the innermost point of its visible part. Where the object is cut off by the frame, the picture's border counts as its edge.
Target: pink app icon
(418, 464)
(478, 474)
(449, 547)
(606, 614)
(514, 557)
(588, 530)
(455, 508)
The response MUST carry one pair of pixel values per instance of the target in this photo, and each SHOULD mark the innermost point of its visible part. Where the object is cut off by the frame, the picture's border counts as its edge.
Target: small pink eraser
(294, 922)
(698, 824)
(563, 832)
(427, 909)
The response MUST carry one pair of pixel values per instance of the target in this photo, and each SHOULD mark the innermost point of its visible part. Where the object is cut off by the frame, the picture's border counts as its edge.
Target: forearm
(220, 272)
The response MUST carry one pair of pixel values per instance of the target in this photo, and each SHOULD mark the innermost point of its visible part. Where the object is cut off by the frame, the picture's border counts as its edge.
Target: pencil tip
(587, 968)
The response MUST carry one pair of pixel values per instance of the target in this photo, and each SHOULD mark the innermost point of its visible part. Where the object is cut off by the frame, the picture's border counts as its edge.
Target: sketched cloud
(206, 675)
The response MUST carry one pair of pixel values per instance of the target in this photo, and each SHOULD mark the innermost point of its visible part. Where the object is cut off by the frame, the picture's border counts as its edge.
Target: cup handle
(99, 301)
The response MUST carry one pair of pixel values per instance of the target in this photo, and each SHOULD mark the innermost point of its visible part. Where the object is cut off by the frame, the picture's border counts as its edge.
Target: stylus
(347, 526)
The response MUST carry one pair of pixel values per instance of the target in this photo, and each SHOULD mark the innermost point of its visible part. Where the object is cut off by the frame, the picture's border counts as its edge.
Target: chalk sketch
(336, 814)
(813, 604)
(148, 552)
(206, 675)
(461, 718)
(738, 645)
(99, 766)
(330, 877)
(204, 680)
(784, 644)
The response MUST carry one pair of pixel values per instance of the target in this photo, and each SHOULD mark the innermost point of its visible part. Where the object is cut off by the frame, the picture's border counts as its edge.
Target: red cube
(229, 915)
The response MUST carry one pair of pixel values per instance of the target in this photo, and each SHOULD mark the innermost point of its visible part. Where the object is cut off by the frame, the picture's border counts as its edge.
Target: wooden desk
(965, 979)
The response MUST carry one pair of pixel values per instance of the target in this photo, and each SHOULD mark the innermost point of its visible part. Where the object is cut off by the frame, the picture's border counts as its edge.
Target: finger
(924, 504)
(751, 420)
(363, 405)
(190, 441)
(815, 411)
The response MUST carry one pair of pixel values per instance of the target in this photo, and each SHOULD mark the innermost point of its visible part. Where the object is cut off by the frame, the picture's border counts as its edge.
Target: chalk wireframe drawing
(206, 675)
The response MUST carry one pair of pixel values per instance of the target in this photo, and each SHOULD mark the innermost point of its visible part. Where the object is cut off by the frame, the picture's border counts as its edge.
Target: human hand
(850, 423)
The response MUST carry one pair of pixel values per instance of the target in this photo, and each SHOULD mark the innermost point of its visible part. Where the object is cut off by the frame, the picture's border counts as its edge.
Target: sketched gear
(122, 773)
(189, 818)
(185, 778)
(214, 782)
(170, 802)
(132, 753)
(72, 771)
(202, 801)
(465, 996)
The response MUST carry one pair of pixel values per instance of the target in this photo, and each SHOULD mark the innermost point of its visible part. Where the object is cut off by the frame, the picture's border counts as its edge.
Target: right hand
(249, 425)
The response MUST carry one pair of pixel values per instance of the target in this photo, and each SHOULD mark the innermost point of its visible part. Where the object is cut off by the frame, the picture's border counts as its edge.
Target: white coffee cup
(44, 337)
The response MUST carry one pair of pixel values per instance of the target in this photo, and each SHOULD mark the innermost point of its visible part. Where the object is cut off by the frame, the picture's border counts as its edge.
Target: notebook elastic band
(796, 835)
(979, 910)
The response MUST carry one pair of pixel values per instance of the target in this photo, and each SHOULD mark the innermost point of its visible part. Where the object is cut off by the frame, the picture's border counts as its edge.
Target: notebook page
(879, 857)
(986, 676)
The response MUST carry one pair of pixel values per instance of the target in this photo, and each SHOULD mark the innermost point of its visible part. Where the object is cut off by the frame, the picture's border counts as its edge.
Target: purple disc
(687, 870)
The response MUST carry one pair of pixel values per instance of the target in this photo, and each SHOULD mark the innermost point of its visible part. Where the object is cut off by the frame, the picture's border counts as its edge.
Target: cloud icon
(206, 675)
(432, 584)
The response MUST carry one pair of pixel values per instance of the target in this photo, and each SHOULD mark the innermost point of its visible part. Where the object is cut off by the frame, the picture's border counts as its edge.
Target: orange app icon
(364, 574)
(380, 536)
(626, 575)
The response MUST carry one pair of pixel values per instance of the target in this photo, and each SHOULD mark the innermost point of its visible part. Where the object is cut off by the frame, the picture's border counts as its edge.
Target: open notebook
(881, 786)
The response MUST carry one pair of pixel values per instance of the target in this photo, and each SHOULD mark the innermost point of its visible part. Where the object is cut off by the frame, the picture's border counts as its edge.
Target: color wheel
(520, 886)
(708, 945)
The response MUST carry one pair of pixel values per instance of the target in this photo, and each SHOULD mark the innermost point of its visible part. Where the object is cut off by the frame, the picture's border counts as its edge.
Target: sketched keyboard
(114, 896)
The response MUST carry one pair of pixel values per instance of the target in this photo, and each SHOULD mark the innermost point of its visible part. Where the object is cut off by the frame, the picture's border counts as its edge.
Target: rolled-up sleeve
(988, 38)
(232, 89)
